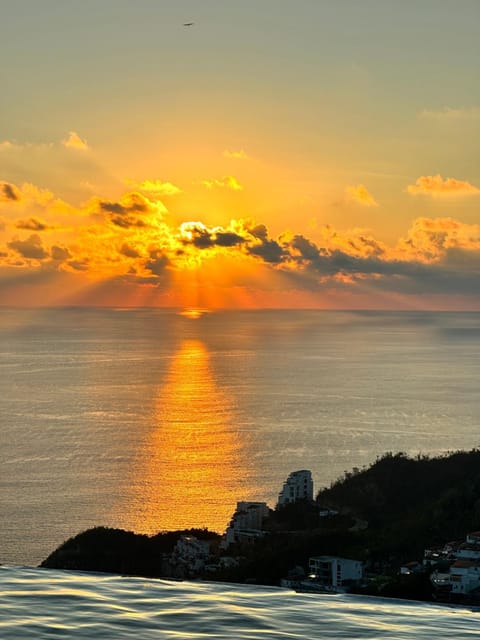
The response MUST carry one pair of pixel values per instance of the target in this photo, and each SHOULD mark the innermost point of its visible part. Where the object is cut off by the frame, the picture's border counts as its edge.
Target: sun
(193, 314)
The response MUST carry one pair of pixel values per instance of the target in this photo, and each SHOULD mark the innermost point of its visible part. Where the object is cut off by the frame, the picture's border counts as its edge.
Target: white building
(246, 523)
(331, 571)
(191, 553)
(465, 576)
(298, 486)
(468, 551)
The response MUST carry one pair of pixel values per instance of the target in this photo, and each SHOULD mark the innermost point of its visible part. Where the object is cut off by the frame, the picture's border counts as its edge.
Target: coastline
(394, 546)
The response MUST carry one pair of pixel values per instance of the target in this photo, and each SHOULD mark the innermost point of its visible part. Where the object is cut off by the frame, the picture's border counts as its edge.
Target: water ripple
(44, 604)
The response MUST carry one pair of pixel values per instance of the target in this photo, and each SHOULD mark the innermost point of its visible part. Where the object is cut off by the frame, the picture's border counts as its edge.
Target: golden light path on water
(190, 471)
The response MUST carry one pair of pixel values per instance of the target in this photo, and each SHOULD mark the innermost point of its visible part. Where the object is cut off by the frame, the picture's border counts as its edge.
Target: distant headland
(402, 527)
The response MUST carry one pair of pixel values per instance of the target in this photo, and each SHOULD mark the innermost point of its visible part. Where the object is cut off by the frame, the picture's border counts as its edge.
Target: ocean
(152, 420)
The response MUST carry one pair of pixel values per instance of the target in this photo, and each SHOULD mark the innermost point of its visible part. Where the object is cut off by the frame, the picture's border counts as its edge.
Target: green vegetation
(411, 503)
(387, 514)
(118, 551)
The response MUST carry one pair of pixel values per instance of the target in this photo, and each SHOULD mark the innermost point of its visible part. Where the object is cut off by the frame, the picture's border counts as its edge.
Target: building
(298, 486)
(474, 538)
(464, 576)
(468, 551)
(246, 523)
(331, 571)
(190, 554)
(465, 571)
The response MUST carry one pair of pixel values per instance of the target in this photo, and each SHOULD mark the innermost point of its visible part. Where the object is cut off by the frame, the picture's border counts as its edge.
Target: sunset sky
(276, 153)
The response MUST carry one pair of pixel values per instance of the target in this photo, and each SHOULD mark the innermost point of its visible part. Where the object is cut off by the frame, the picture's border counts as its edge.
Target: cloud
(75, 142)
(6, 145)
(9, 192)
(132, 210)
(202, 237)
(236, 155)
(133, 203)
(451, 114)
(157, 263)
(32, 224)
(31, 198)
(263, 247)
(31, 248)
(79, 265)
(430, 238)
(268, 250)
(129, 239)
(60, 253)
(156, 187)
(227, 182)
(127, 221)
(361, 195)
(129, 251)
(437, 187)
(227, 239)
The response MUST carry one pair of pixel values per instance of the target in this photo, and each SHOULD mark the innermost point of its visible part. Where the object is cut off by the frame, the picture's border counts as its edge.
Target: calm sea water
(150, 420)
(42, 604)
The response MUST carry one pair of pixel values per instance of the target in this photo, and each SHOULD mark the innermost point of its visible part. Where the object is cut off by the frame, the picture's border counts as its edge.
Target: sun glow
(193, 314)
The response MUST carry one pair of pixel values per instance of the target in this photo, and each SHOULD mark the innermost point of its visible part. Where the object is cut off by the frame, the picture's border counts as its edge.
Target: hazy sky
(305, 153)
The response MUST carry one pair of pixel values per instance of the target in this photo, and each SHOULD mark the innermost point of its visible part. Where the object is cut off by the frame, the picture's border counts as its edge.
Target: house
(468, 551)
(436, 555)
(465, 576)
(332, 571)
(298, 486)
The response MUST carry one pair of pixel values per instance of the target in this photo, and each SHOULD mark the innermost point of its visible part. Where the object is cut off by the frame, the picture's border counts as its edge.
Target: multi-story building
(331, 571)
(464, 576)
(246, 523)
(298, 486)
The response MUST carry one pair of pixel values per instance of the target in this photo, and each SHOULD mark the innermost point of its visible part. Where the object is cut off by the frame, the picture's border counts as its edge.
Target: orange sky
(257, 159)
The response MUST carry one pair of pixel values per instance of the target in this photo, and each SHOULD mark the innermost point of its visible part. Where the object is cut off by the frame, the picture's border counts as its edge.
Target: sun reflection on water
(190, 472)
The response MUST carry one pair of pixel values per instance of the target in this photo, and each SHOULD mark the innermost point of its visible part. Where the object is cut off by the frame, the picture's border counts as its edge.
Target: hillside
(411, 503)
(388, 514)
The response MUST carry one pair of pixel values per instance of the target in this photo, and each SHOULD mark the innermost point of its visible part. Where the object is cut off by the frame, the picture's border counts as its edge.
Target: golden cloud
(361, 195)
(129, 240)
(131, 206)
(437, 187)
(75, 142)
(156, 187)
(227, 182)
(430, 238)
(9, 192)
(32, 224)
(31, 248)
(30, 198)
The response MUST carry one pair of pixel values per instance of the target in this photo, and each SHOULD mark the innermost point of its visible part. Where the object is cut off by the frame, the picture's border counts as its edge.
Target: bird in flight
(188, 24)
